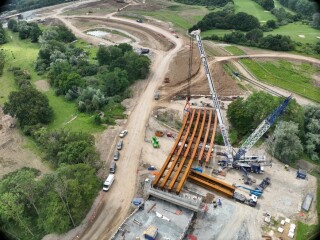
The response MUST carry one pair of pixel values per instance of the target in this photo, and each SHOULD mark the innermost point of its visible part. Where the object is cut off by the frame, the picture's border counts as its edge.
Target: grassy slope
(284, 74)
(25, 54)
(234, 50)
(254, 9)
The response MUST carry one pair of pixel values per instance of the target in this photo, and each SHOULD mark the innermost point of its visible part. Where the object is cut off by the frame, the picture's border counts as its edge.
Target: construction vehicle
(230, 154)
(155, 142)
(156, 95)
(256, 192)
(252, 202)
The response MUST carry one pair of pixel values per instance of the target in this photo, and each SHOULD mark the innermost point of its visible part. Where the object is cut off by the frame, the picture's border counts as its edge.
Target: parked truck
(156, 95)
(252, 201)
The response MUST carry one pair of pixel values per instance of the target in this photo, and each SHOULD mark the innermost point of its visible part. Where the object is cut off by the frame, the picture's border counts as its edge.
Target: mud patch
(42, 85)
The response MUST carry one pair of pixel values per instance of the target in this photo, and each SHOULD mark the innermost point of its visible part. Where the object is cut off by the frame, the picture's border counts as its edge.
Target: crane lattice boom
(262, 128)
(213, 92)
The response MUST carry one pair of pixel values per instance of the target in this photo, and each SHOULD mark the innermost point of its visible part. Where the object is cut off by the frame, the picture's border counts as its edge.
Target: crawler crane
(238, 159)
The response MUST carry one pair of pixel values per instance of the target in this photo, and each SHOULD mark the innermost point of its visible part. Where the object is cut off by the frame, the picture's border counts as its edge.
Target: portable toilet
(151, 232)
(301, 174)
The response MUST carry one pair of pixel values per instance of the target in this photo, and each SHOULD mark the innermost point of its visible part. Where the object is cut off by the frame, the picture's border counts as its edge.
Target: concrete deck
(138, 222)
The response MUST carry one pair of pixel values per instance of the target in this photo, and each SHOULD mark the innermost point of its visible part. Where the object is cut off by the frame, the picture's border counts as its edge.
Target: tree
(114, 82)
(23, 29)
(254, 35)
(312, 129)
(268, 4)
(245, 22)
(35, 32)
(3, 38)
(63, 147)
(286, 145)
(106, 55)
(271, 24)
(10, 208)
(125, 47)
(277, 43)
(13, 25)
(316, 20)
(29, 106)
(246, 115)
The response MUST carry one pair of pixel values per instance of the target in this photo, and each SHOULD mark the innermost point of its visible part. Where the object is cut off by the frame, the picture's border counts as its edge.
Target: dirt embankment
(179, 72)
(13, 155)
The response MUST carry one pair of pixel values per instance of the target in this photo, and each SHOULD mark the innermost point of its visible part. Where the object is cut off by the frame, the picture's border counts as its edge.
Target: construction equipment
(214, 96)
(155, 142)
(187, 106)
(256, 192)
(254, 137)
(252, 202)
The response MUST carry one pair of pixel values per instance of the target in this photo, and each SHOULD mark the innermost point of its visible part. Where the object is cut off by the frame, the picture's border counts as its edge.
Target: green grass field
(65, 111)
(19, 54)
(218, 32)
(234, 50)
(295, 29)
(180, 15)
(293, 77)
(253, 8)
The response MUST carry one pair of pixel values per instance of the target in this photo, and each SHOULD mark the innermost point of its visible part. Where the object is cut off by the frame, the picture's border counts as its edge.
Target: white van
(107, 184)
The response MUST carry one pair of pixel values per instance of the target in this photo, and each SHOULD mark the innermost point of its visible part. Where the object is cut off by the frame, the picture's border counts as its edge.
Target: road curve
(270, 55)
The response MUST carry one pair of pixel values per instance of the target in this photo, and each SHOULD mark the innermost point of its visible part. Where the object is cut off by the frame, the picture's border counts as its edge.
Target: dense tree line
(3, 38)
(25, 29)
(304, 7)
(297, 131)
(32, 206)
(24, 5)
(215, 3)
(227, 20)
(255, 38)
(64, 147)
(266, 4)
(284, 17)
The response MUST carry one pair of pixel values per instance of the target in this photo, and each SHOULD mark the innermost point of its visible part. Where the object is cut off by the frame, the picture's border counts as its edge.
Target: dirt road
(117, 201)
(271, 55)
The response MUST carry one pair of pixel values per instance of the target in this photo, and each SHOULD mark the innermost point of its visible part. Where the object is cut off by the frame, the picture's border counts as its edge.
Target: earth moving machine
(237, 157)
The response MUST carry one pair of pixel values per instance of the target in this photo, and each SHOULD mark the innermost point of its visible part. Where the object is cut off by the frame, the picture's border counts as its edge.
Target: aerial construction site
(169, 168)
